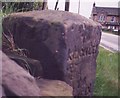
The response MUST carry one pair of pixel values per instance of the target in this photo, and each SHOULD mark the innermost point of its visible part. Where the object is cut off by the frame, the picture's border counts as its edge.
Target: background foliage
(10, 7)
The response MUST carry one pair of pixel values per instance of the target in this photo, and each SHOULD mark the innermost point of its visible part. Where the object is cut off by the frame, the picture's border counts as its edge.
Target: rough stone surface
(54, 88)
(33, 66)
(17, 82)
(65, 43)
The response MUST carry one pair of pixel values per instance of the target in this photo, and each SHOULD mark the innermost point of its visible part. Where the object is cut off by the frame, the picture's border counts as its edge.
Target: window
(102, 18)
(113, 19)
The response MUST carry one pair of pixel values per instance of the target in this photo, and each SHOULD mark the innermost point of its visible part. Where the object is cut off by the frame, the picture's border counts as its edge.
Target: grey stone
(33, 66)
(54, 88)
(17, 82)
(65, 43)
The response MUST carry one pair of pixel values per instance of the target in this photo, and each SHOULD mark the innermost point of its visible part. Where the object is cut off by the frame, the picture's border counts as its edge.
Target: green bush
(10, 7)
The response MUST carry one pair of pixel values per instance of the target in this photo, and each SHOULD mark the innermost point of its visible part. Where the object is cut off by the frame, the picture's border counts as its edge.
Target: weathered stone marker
(65, 43)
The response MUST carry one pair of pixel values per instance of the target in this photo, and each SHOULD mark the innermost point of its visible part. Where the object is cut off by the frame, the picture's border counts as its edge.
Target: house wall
(95, 17)
(110, 17)
(107, 19)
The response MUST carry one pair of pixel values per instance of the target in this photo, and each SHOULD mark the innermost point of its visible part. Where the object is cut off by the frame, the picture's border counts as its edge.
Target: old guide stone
(65, 43)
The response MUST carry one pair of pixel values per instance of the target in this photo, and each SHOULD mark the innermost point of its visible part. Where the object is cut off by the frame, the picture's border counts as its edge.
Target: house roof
(108, 10)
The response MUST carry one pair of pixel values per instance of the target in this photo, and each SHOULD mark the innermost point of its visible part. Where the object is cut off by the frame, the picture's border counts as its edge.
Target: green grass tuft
(107, 74)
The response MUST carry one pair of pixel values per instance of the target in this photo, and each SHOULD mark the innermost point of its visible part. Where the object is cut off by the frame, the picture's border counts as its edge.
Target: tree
(44, 5)
(79, 7)
(56, 4)
(67, 3)
(17, 6)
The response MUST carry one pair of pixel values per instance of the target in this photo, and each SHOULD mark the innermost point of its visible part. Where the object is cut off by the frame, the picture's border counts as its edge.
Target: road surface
(110, 42)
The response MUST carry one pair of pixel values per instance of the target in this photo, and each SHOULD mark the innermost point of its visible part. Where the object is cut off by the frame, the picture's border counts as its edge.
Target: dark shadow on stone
(49, 63)
(9, 93)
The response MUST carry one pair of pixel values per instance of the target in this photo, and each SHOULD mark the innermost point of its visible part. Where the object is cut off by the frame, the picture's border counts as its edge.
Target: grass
(107, 74)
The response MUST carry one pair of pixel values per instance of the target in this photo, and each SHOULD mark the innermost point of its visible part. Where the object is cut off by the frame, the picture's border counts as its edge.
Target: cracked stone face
(65, 43)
